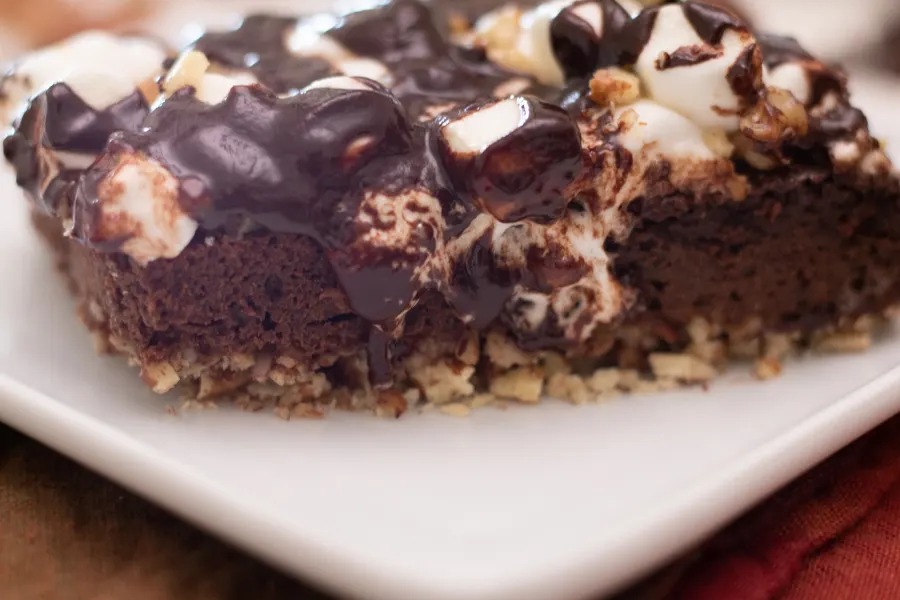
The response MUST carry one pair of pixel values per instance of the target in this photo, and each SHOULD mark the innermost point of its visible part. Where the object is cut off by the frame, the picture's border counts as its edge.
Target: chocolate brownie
(384, 208)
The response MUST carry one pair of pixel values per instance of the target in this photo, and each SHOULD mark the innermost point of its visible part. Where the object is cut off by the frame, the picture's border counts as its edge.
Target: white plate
(532, 503)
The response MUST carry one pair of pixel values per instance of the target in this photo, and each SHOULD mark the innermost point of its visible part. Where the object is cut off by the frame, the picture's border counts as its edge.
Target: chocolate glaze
(577, 46)
(304, 164)
(524, 174)
(60, 120)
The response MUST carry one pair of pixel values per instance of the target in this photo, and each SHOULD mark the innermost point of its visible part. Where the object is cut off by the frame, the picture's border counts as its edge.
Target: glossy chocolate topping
(59, 119)
(343, 162)
(259, 44)
(579, 48)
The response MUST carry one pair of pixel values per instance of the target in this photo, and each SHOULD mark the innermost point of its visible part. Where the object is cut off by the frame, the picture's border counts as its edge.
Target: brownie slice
(578, 201)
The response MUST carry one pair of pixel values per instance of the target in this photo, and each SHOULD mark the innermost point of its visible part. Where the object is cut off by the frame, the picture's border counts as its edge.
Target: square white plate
(531, 503)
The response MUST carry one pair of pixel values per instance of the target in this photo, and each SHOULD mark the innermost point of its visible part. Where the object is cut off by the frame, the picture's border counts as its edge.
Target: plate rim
(663, 531)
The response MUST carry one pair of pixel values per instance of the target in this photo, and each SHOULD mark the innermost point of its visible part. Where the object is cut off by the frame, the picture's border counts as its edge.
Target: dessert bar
(401, 207)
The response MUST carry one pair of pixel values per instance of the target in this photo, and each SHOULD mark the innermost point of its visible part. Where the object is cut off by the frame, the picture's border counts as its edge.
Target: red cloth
(832, 535)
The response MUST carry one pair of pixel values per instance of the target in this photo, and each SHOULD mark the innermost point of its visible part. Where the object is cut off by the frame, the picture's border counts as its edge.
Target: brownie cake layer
(576, 199)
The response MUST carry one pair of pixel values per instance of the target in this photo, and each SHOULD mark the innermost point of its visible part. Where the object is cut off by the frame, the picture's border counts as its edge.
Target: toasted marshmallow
(100, 67)
(475, 131)
(138, 203)
(701, 91)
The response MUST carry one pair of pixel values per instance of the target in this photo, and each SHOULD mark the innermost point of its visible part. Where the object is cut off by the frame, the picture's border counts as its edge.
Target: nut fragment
(568, 387)
(767, 368)
(844, 342)
(604, 380)
(188, 70)
(522, 383)
(160, 376)
(614, 86)
(442, 382)
(216, 384)
(390, 403)
(455, 409)
(682, 367)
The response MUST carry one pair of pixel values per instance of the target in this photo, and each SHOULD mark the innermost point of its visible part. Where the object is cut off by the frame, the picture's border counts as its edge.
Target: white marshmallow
(698, 90)
(534, 43)
(100, 67)
(214, 88)
(477, 130)
(791, 76)
(661, 131)
(308, 40)
(138, 202)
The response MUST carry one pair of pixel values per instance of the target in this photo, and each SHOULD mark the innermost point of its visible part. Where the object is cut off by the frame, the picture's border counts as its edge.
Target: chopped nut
(187, 70)
(553, 362)
(767, 368)
(470, 352)
(629, 379)
(241, 362)
(304, 410)
(844, 342)
(568, 387)
(218, 383)
(777, 345)
(149, 90)
(604, 380)
(792, 112)
(681, 367)
(161, 376)
(441, 382)
(481, 400)
(390, 403)
(615, 86)
(653, 386)
(504, 353)
(286, 361)
(521, 383)
(455, 409)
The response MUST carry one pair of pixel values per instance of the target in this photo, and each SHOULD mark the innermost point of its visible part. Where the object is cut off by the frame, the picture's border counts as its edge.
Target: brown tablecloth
(66, 533)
